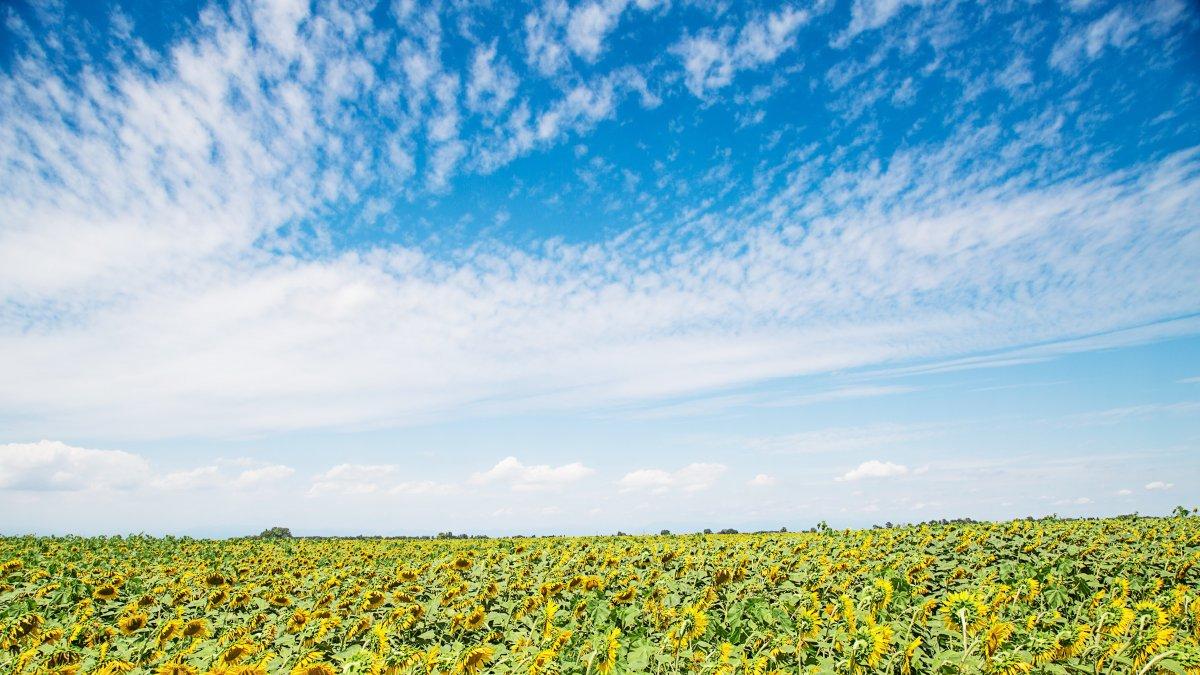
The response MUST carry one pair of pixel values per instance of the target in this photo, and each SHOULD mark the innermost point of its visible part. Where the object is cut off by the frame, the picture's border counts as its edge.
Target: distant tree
(728, 530)
(783, 529)
(665, 532)
(276, 533)
(708, 530)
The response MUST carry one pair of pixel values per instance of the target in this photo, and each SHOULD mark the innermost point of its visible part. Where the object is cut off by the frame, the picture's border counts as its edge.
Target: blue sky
(586, 266)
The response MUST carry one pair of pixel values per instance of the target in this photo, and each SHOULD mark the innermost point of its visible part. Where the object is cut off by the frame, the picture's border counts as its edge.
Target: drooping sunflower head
(196, 628)
(881, 594)
(176, 668)
(604, 660)
(625, 596)
(474, 661)
(106, 592)
(808, 624)
(133, 622)
(475, 619)
(237, 652)
(374, 600)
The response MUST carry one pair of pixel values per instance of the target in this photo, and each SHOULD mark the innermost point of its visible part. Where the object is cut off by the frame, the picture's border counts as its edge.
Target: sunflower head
(196, 628)
(133, 622)
(474, 661)
(963, 611)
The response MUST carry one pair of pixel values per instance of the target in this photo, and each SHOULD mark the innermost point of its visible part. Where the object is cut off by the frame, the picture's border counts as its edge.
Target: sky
(371, 267)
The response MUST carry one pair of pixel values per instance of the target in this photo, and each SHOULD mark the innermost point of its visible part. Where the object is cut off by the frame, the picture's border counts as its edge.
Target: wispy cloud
(173, 260)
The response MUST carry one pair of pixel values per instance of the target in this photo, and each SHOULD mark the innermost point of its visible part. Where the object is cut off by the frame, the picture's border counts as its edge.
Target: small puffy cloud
(1124, 492)
(874, 469)
(590, 22)
(691, 478)
(1159, 485)
(353, 479)
(53, 466)
(492, 83)
(237, 474)
(520, 476)
(710, 58)
(762, 480)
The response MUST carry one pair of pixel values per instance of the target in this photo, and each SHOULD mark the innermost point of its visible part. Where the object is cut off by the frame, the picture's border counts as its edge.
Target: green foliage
(1032, 597)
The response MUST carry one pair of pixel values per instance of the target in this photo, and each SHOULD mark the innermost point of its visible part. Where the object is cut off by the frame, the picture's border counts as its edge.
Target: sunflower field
(1028, 596)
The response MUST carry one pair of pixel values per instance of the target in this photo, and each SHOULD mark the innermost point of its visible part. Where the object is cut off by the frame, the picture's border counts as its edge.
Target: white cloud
(874, 469)
(762, 480)
(165, 256)
(544, 49)
(493, 83)
(711, 58)
(1159, 485)
(1124, 492)
(56, 466)
(691, 478)
(236, 474)
(353, 479)
(510, 471)
(590, 22)
(1118, 29)
(871, 14)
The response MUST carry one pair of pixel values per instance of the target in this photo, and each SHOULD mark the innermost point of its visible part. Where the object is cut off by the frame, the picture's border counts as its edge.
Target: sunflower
(132, 623)
(298, 620)
(542, 662)
(115, 668)
(605, 660)
(176, 668)
(196, 628)
(1008, 663)
(63, 659)
(693, 623)
(910, 655)
(475, 619)
(474, 660)
(808, 625)
(237, 652)
(106, 592)
(374, 600)
(963, 612)
(996, 635)
(25, 626)
(625, 596)
(881, 594)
